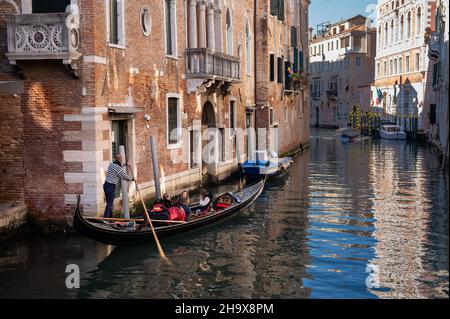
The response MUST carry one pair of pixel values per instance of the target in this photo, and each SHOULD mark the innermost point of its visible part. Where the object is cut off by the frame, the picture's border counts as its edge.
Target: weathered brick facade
(289, 104)
(58, 132)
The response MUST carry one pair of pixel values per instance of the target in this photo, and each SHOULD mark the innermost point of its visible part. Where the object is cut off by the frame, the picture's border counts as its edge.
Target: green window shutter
(272, 67)
(274, 7)
(280, 70)
(302, 65)
(293, 37)
(295, 59)
(281, 10)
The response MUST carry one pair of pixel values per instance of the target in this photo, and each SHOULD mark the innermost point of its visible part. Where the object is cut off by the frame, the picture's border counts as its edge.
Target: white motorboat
(392, 132)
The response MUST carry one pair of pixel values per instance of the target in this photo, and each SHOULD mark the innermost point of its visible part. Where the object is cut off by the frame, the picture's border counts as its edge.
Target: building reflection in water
(340, 218)
(311, 234)
(240, 258)
(405, 187)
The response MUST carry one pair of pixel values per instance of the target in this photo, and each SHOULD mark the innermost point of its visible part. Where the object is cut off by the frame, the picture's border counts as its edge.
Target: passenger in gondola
(183, 202)
(167, 201)
(205, 203)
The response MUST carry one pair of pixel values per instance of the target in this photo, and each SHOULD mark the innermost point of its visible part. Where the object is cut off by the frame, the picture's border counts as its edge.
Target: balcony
(205, 66)
(43, 36)
(332, 95)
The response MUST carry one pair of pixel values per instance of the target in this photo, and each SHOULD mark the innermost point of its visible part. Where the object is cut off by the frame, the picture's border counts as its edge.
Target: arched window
(380, 43)
(409, 25)
(419, 21)
(392, 31)
(397, 29)
(229, 33)
(386, 34)
(402, 27)
(248, 54)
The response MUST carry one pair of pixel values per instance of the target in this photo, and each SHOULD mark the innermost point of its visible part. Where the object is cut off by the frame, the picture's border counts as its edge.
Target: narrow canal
(345, 216)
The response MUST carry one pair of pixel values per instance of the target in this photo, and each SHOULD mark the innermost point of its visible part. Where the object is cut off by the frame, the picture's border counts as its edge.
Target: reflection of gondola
(98, 230)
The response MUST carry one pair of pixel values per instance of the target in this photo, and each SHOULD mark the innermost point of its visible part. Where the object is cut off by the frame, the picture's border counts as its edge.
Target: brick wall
(11, 149)
(290, 110)
(11, 123)
(50, 93)
(64, 120)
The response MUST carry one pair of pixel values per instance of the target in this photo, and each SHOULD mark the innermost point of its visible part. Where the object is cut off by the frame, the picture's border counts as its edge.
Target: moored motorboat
(265, 166)
(225, 206)
(392, 132)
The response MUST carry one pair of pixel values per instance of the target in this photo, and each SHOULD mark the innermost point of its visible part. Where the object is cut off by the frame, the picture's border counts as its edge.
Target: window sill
(117, 46)
(174, 146)
(172, 57)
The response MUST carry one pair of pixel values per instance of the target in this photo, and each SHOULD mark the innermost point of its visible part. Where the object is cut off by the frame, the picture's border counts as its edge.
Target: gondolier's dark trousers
(110, 194)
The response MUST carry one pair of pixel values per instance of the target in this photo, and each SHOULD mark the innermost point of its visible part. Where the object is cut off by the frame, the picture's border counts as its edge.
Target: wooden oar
(138, 220)
(161, 251)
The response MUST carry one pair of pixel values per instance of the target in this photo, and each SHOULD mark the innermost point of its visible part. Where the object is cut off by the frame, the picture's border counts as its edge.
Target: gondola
(225, 206)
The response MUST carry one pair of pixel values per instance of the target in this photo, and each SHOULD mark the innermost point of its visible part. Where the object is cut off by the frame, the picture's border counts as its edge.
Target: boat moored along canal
(392, 132)
(225, 206)
(264, 165)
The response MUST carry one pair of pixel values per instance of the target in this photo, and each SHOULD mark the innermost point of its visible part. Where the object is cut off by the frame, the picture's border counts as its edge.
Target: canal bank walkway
(13, 216)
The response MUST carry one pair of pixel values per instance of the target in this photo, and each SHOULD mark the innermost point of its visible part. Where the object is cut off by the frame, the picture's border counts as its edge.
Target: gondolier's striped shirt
(115, 173)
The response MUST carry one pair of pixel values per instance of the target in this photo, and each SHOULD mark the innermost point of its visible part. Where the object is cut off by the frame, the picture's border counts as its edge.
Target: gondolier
(115, 174)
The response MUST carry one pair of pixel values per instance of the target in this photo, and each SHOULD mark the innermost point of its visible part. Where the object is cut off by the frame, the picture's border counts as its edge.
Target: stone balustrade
(207, 64)
(43, 36)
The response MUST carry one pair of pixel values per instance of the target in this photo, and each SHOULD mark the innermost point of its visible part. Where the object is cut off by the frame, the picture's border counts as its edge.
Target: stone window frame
(141, 20)
(121, 25)
(179, 122)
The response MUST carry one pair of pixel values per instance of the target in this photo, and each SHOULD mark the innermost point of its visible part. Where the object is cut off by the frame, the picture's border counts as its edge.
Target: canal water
(366, 220)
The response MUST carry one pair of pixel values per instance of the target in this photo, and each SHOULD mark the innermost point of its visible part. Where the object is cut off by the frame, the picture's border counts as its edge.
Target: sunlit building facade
(341, 70)
(402, 67)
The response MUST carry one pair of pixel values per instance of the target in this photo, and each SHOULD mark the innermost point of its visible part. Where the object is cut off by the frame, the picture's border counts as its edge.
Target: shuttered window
(287, 78)
(281, 11)
(277, 9)
(302, 63)
(274, 7)
(293, 37)
(272, 67)
(280, 69)
(295, 60)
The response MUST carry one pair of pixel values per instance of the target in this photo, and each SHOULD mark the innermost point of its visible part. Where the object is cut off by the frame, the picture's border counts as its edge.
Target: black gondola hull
(117, 237)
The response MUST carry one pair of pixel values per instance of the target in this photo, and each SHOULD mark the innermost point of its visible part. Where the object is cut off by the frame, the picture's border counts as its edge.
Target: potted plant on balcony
(299, 77)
